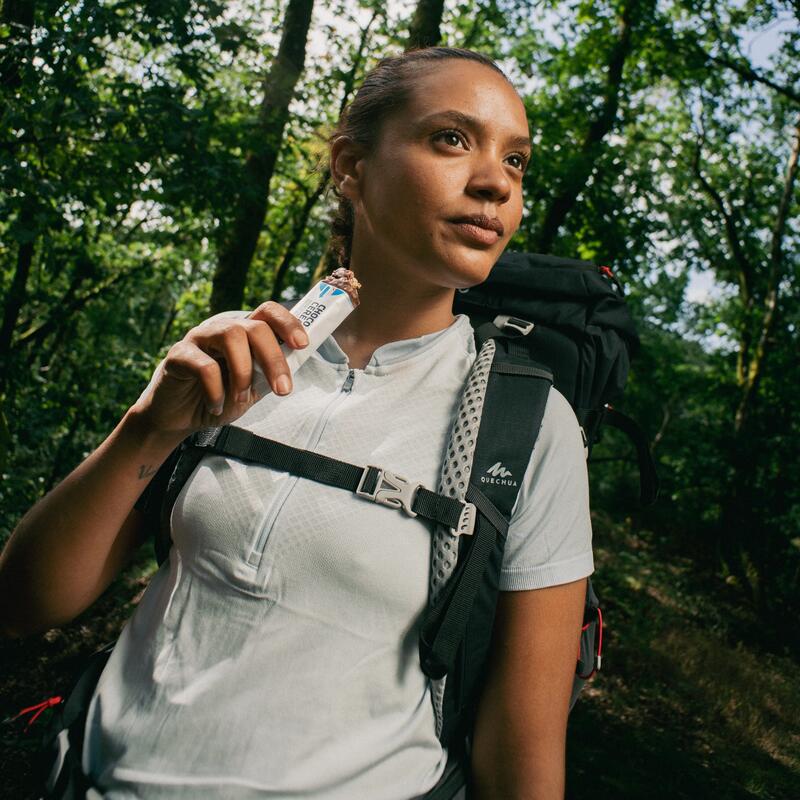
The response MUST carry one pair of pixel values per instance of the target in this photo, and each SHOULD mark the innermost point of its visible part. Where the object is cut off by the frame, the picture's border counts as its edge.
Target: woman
(275, 654)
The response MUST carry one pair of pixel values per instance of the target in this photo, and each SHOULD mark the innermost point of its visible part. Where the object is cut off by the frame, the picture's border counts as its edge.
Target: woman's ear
(346, 167)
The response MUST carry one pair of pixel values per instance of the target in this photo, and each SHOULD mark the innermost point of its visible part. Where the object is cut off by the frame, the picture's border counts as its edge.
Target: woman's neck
(391, 310)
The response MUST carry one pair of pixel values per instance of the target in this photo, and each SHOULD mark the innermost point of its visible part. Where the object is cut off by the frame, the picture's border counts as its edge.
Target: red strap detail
(600, 633)
(606, 271)
(38, 710)
(599, 652)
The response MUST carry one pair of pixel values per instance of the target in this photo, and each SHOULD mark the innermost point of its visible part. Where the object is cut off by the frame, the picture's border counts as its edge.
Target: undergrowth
(689, 704)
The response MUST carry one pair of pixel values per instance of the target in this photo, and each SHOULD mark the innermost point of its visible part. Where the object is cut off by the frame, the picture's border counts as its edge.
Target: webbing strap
(444, 625)
(475, 496)
(244, 445)
(504, 368)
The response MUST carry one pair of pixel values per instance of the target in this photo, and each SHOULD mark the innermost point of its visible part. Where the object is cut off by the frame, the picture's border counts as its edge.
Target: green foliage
(124, 128)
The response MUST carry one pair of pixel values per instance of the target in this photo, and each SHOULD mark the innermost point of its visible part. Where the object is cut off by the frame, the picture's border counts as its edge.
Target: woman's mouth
(479, 229)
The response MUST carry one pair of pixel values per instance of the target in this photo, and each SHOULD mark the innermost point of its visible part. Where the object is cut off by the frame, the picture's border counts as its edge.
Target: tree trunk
(301, 220)
(581, 168)
(19, 16)
(323, 265)
(239, 243)
(425, 27)
(744, 541)
(751, 375)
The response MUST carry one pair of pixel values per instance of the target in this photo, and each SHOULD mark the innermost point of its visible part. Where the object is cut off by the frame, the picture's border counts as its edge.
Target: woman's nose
(489, 179)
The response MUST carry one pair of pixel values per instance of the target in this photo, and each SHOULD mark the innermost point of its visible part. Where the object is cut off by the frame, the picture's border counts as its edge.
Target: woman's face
(440, 195)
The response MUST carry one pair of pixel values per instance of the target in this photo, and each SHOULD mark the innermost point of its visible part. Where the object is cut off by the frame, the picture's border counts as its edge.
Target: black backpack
(539, 321)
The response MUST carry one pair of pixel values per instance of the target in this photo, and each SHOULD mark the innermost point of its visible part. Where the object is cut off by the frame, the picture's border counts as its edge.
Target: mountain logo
(498, 471)
(326, 287)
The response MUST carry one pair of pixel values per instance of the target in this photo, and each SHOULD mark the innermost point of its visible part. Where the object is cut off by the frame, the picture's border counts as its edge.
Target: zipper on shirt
(261, 542)
(347, 386)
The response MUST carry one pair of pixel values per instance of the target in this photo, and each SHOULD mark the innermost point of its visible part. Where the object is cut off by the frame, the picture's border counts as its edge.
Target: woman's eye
(452, 138)
(518, 161)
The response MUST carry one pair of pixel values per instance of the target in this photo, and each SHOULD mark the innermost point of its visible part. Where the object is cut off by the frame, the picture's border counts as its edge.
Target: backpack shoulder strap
(456, 629)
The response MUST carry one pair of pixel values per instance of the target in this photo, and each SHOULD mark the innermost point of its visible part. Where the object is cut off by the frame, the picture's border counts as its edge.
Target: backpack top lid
(562, 292)
(583, 330)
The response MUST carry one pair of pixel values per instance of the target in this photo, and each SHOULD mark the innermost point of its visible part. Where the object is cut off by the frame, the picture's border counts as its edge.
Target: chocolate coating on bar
(345, 280)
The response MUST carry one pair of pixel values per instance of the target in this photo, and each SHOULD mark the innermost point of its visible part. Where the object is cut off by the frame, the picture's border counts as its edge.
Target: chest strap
(370, 482)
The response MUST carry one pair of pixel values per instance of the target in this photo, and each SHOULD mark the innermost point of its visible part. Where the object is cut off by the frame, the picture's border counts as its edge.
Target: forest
(163, 160)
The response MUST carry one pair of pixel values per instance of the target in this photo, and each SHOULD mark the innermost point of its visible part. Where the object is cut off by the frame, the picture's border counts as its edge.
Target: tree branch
(743, 266)
(577, 175)
(755, 367)
(64, 311)
(425, 27)
(750, 75)
(301, 221)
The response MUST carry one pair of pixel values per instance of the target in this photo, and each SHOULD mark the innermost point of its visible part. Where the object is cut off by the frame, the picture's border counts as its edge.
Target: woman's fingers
(227, 345)
(186, 361)
(239, 341)
(264, 324)
(282, 322)
(268, 355)
(210, 371)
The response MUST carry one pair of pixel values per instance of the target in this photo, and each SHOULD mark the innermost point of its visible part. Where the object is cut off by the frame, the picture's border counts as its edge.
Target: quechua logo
(497, 473)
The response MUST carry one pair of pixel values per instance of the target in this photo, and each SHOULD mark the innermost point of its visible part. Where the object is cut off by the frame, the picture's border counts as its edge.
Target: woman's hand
(206, 378)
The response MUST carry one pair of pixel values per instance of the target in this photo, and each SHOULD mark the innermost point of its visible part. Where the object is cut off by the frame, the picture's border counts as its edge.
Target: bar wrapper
(321, 311)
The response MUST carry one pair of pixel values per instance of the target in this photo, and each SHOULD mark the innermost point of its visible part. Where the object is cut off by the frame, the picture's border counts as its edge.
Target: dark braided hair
(385, 89)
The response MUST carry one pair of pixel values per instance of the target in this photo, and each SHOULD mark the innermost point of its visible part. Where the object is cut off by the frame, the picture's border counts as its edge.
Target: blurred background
(162, 160)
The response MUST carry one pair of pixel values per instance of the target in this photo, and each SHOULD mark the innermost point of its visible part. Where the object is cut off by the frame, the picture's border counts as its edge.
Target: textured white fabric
(275, 654)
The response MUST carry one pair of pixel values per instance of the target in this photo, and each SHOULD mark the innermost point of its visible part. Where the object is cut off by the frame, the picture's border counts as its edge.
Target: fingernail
(300, 338)
(243, 396)
(283, 385)
(215, 410)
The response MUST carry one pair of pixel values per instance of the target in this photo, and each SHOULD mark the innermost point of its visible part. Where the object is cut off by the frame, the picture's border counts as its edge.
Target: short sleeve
(550, 533)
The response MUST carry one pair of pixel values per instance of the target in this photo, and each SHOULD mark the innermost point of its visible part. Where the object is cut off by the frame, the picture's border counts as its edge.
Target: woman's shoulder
(559, 424)
(550, 535)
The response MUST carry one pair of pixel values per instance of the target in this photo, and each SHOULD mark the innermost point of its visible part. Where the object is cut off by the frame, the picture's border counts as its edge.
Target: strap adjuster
(466, 521)
(521, 326)
(389, 490)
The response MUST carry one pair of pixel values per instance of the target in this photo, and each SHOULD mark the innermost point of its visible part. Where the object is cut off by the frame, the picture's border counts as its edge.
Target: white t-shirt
(275, 653)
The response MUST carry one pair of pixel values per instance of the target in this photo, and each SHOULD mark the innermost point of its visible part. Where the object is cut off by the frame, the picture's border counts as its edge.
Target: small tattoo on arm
(146, 471)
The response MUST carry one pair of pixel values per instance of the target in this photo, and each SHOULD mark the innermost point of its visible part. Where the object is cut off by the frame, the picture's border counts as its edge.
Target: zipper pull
(348, 381)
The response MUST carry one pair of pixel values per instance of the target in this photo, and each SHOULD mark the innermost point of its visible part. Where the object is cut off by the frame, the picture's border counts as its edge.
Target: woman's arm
(72, 543)
(520, 730)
